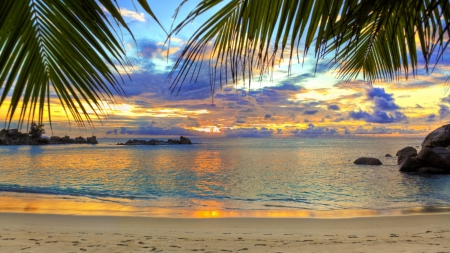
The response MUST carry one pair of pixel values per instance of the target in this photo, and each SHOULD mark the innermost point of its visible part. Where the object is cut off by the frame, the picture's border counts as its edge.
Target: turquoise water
(224, 174)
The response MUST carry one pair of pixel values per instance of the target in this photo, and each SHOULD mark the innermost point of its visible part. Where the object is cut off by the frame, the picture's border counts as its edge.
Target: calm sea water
(222, 174)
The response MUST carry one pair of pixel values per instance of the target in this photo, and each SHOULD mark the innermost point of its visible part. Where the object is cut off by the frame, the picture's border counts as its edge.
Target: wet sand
(25, 232)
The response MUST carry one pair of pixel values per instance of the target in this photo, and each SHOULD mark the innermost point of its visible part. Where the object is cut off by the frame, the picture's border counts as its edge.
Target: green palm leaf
(68, 48)
(376, 38)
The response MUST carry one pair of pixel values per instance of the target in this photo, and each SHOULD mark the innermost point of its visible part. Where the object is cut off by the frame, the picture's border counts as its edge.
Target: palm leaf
(375, 38)
(67, 48)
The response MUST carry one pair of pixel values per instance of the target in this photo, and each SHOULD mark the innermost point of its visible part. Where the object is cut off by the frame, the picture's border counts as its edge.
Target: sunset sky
(304, 103)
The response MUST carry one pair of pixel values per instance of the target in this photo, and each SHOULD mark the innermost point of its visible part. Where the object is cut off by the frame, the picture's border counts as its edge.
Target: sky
(308, 102)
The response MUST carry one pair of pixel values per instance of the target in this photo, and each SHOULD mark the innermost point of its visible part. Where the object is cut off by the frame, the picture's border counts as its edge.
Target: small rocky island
(34, 137)
(182, 140)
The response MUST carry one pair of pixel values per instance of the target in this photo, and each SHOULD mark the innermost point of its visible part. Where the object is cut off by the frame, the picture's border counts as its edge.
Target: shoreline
(21, 203)
(72, 233)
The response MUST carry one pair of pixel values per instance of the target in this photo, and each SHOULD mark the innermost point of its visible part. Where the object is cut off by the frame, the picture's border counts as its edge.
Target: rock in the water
(432, 170)
(404, 153)
(184, 140)
(368, 161)
(433, 159)
(438, 138)
(80, 140)
(411, 164)
(388, 155)
(92, 140)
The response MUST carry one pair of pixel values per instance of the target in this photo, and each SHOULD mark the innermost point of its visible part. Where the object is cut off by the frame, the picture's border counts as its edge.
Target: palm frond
(376, 38)
(68, 48)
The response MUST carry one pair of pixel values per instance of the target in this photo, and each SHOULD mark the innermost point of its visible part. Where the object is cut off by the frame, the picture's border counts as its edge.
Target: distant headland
(34, 137)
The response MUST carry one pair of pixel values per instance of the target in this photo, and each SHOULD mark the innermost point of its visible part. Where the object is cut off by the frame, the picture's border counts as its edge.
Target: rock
(92, 140)
(184, 140)
(65, 139)
(368, 161)
(440, 137)
(411, 164)
(80, 140)
(433, 159)
(432, 170)
(404, 153)
(388, 155)
(173, 141)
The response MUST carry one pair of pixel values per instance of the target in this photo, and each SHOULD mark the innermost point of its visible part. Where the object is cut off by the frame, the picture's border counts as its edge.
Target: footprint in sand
(242, 249)
(260, 244)
(352, 236)
(393, 235)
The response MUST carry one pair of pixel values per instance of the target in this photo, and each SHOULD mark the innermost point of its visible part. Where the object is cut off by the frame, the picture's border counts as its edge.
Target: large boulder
(403, 153)
(367, 161)
(433, 159)
(432, 170)
(438, 138)
(411, 164)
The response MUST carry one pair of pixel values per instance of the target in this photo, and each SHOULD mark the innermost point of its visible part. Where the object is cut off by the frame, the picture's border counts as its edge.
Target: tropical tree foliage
(63, 47)
(36, 130)
(382, 39)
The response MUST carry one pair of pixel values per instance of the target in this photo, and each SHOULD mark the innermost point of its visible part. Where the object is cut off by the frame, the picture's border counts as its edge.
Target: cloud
(267, 116)
(382, 103)
(378, 116)
(431, 117)
(359, 115)
(379, 92)
(248, 132)
(132, 14)
(386, 130)
(334, 107)
(310, 112)
(313, 131)
(444, 111)
(446, 99)
(153, 130)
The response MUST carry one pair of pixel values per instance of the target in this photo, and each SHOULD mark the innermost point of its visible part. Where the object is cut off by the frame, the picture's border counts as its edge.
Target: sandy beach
(23, 232)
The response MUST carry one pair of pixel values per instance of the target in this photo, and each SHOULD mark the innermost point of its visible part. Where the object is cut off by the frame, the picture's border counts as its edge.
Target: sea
(219, 177)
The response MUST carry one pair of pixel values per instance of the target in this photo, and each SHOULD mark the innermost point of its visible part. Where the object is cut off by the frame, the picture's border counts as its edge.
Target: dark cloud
(378, 116)
(267, 116)
(313, 131)
(150, 49)
(386, 130)
(444, 111)
(379, 92)
(154, 130)
(431, 117)
(334, 107)
(382, 103)
(359, 115)
(248, 132)
(310, 112)
(446, 99)
(419, 106)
